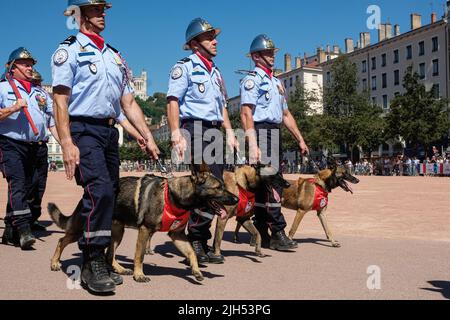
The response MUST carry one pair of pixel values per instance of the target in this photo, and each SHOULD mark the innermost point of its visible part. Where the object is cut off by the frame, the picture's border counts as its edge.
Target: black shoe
(26, 238)
(281, 242)
(10, 236)
(213, 259)
(117, 278)
(95, 276)
(36, 226)
(200, 252)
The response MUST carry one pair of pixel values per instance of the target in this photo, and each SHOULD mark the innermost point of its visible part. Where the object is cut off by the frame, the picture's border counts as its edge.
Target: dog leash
(310, 160)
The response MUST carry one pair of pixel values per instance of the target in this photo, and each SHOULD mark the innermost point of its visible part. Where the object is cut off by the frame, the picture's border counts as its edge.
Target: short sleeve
(249, 91)
(121, 117)
(63, 67)
(178, 82)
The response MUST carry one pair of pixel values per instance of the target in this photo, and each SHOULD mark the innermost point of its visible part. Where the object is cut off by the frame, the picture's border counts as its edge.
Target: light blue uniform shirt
(98, 79)
(40, 107)
(267, 95)
(201, 95)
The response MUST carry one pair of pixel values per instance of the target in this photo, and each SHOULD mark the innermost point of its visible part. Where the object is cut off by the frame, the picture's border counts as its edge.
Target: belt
(268, 125)
(209, 124)
(106, 122)
(26, 143)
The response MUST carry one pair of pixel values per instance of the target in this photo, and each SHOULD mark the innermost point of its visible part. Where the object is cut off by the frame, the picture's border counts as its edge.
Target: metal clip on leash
(164, 171)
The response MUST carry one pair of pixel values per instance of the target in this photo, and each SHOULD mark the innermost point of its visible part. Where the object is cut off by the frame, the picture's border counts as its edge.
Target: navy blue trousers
(98, 174)
(268, 209)
(18, 163)
(39, 182)
(199, 226)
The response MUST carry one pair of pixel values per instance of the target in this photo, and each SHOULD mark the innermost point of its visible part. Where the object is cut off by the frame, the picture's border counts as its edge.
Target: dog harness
(320, 197)
(246, 202)
(173, 218)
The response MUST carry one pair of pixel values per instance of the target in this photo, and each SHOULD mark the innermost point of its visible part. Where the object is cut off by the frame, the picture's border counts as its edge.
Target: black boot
(199, 250)
(213, 259)
(117, 278)
(10, 236)
(37, 226)
(26, 238)
(95, 276)
(281, 242)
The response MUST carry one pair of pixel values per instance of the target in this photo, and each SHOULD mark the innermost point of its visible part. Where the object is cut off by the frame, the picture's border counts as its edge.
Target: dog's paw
(149, 252)
(56, 266)
(125, 272)
(261, 255)
(141, 278)
(336, 244)
(198, 276)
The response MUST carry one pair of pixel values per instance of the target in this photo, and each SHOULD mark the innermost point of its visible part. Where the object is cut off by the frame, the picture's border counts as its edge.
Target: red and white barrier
(442, 169)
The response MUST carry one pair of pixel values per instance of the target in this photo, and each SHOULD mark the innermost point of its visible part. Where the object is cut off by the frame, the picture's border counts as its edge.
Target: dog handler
(20, 146)
(91, 83)
(263, 110)
(197, 96)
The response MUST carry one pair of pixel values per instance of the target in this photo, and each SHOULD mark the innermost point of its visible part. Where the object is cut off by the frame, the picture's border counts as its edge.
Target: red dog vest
(173, 218)
(320, 197)
(246, 202)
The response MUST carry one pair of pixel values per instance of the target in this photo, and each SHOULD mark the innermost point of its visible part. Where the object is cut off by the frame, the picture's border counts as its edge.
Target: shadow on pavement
(442, 287)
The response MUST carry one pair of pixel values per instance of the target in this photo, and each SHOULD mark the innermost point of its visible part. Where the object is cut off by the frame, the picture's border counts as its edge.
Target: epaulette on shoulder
(247, 72)
(70, 40)
(184, 60)
(112, 48)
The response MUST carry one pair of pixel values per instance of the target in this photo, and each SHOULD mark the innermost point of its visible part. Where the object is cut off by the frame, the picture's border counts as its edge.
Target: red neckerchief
(246, 202)
(97, 39)
(173, 218)
(209, 64)
(269, 72)
(320, 197)
(25, 84)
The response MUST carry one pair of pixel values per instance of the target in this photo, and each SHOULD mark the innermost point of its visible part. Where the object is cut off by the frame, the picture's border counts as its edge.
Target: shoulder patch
(249, 84)
(185, 60)
(60, 56)
(176, 73)
(70, 40)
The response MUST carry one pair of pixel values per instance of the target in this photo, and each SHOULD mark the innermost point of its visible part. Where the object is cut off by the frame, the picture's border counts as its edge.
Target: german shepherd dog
(306, 195)
(247, 179)
(141, 204)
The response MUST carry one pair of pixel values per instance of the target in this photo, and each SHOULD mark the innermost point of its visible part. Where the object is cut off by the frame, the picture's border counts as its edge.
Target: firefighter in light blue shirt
(20, 146)
(263, 110)
(91, 83)
(197, 100)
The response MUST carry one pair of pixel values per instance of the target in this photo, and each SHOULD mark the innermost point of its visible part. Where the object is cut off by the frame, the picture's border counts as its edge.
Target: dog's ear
(204, 168)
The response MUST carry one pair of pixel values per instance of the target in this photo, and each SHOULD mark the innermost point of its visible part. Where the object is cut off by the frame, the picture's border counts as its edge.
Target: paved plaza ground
(399, 226)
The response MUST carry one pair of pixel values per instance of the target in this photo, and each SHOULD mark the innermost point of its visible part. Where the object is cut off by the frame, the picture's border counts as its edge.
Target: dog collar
(173, 218)
(320, 197)
(246, 202)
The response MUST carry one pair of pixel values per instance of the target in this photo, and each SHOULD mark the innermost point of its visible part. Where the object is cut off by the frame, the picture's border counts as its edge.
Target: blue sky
(150, 34)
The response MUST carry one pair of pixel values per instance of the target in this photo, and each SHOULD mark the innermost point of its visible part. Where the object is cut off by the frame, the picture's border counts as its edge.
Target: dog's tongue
(276, 195)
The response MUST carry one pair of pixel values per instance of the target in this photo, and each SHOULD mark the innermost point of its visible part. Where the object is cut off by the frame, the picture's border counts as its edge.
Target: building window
(421, 48)
(385, 102)
(396, 77)
(374, 83)
(364, 83)
(374, 63)
(396, 56)
(291, 82)
(296, 79)
(374, 101)
(435, 67)
(422, 71)
(435, 90)
(328, 77)
(435, 44)
(383, 60)
(384, 80)
(408, 52)
(364, 66)
(285, 83)
(315, 78)
(58, 148)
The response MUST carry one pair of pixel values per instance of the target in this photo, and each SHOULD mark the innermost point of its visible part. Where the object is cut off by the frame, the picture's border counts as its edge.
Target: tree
(154, 107)
(417, 116)
(349, 113)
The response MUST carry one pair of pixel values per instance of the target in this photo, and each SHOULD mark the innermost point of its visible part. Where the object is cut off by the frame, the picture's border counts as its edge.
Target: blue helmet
(261, 43)
(81, 3)
(20, 53)
(197, 27)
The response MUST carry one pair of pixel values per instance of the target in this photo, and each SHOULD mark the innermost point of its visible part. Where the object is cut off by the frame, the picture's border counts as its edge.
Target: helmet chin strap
(267, 62)
(209, 52)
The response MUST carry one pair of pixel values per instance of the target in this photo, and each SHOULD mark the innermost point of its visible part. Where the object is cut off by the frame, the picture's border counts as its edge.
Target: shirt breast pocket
(89, 65)
(200, 86)
(265, 96)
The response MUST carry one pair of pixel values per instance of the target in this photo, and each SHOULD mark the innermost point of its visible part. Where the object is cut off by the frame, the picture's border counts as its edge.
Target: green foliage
(417, 116)
(154, 107)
